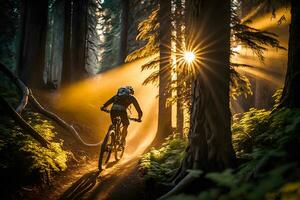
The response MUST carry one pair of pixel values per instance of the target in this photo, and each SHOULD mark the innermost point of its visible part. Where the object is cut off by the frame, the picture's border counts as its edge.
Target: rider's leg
(125, 122)
(113, 115)
(124, 134)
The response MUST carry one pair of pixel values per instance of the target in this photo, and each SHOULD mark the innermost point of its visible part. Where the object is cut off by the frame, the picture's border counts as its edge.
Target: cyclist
(121, 101)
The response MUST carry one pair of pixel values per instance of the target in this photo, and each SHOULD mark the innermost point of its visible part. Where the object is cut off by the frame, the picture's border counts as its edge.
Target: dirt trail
(85, 182)
(122, 181)
(79, 104)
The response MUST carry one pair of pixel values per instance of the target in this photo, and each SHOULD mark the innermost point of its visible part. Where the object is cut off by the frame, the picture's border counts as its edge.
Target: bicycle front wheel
(106, 149)
(119, 150)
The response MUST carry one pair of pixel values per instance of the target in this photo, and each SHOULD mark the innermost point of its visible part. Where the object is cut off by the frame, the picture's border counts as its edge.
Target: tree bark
(164, 112)
(66, 67)
(291, 96)
(33, 43)
(57, 45)
(124, 31)
(79, 38)
(179, 43)
(210, 144)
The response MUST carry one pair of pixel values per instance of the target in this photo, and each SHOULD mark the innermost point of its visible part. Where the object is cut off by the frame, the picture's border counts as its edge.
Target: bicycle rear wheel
(106, 149)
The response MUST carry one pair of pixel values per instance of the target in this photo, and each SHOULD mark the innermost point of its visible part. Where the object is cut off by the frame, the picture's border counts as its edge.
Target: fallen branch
(23, 90)
(57, 119)
(23, 124)
(27, 96)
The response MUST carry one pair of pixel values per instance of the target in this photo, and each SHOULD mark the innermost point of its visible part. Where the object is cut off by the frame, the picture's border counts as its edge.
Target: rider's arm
(137, 106)
(110, 101)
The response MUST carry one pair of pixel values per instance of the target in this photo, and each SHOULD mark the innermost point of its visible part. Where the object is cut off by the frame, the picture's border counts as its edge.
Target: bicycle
(112, 142)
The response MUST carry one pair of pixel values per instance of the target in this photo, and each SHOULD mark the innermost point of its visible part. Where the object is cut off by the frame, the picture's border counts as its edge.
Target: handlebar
(130, 118)
(105, 110)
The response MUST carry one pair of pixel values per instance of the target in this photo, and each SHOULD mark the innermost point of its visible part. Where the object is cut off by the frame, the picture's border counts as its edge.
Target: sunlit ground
(81, 102)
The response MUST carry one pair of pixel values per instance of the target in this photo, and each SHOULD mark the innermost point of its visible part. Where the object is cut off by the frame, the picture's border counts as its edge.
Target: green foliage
(254, 39)
(239, 84)
(268, 144)
(148, 32)
(160, 164)
(21, 152)
(247, 128)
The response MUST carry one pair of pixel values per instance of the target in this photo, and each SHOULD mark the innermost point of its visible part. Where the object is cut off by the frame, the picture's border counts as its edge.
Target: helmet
(122, 91)
(130, 90)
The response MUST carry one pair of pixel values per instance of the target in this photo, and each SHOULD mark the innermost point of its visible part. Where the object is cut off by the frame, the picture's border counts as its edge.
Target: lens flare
(189, 57)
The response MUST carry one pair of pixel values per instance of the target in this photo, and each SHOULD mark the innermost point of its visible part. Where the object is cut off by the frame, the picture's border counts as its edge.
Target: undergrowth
(267, 143)
(24, 158)
(160, 164)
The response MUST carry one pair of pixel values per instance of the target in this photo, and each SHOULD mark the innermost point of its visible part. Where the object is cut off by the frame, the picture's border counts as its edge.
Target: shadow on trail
(82, 186)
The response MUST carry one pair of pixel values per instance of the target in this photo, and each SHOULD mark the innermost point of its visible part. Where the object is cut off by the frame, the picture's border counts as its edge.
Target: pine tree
(291, 96)
(33, 42)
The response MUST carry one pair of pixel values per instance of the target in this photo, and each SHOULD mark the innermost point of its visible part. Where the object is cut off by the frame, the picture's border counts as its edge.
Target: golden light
(83, 107)
(189, 57)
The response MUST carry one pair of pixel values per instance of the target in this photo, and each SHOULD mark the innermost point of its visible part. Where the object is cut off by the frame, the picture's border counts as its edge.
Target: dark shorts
(122, 114)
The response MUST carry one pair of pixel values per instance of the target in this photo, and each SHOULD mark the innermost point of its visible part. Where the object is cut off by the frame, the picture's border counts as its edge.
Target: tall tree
(33, 42)
(164, 111)
(210, 145)
(179, 17)
(66, 69)
(55, 44)
(79, 38)
(9, 24)
(124, 30)
(291, 96)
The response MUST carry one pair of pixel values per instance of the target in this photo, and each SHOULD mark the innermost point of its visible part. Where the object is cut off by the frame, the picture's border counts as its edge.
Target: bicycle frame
(117, 144)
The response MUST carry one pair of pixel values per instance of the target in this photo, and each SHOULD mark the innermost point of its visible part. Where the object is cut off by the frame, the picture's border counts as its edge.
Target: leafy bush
(268, 143)
(22, 156)
(159, 164)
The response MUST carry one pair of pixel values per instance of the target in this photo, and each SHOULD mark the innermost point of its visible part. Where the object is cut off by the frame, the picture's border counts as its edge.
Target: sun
(189, 56)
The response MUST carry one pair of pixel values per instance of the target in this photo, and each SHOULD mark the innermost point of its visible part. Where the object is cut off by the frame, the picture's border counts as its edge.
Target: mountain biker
(121, 101)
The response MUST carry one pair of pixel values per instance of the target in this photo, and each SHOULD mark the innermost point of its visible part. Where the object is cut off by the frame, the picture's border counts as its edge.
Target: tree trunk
(79, 38)
(164, 112)
(33, 43)
(210, 143)
(179, 43)
(291, 96)
(57, 45)
(66, 67)
(124, 31)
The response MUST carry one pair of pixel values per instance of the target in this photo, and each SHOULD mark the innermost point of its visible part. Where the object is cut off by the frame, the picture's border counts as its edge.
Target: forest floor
(120, 181)
(82, 180)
